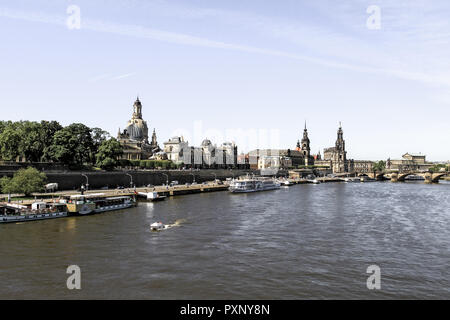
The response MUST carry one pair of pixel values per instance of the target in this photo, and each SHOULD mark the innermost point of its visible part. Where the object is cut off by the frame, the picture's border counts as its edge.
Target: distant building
(296, 158)
(410, 162)
(175, 150)
(243, 161)
(361, 166)
(286, 158)
(336, 157)
(134, 138)
(305, 148)
(205, 156)
(274, 162)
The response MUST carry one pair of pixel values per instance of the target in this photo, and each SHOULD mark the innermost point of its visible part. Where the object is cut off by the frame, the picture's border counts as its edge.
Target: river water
(303, 242)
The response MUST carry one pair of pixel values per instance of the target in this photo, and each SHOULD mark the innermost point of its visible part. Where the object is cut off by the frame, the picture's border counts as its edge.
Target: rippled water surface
(307, 241)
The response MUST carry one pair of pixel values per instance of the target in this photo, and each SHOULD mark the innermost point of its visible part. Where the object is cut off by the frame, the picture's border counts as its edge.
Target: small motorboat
(367, 179)
(157, 226)
(154, 196)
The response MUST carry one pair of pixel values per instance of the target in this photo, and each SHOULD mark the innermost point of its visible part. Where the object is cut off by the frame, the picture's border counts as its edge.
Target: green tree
(24, 181)
(108, 154)
(31, 145)
(438, 168)
(9, 141)
(379, 166)
(73, 145)
(48, 131)
(98, 137)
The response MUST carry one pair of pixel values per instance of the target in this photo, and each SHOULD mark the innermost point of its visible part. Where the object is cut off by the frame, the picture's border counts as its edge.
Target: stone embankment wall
(71, 180)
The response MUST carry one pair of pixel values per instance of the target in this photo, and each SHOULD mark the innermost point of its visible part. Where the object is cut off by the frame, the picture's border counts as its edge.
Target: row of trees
(45, 141)
(440, 168)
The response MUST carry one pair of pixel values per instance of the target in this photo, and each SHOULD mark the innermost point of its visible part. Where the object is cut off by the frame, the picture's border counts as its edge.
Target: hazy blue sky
(211, 68)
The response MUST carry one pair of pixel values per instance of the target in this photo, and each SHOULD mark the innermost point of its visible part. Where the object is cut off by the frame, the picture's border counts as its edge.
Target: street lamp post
(167, 178)
(87, 181)
(131, 181)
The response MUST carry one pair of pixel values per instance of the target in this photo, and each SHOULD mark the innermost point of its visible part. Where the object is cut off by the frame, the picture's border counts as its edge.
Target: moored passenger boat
(114, 203)
(253, 185)
(97, 203)
(11, 213)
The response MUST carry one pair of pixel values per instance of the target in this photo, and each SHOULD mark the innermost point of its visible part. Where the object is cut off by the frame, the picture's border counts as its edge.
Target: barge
(13, 213)
(75, 205)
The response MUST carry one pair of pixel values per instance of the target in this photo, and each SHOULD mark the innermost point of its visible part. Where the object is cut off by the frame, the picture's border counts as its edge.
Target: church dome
(138, 131)
(206, 143)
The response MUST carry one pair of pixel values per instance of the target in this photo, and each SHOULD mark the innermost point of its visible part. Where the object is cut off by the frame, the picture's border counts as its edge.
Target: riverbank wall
(71, 180)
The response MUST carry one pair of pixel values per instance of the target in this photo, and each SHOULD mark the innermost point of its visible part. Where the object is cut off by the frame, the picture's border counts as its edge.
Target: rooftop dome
(206, 142)
(137, 130)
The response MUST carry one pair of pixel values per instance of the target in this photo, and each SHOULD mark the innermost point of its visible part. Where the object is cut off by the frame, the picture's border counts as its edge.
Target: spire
(305, 125)
(154, 141)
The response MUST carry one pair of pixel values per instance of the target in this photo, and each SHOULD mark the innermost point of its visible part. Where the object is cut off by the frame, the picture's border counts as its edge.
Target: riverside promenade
(161, 190)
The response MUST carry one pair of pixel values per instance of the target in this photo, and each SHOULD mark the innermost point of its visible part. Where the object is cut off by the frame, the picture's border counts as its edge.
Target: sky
(247, 71)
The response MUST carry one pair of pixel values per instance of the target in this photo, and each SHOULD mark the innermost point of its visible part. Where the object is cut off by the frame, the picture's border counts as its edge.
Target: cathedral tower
(340, 142)
(306, 149)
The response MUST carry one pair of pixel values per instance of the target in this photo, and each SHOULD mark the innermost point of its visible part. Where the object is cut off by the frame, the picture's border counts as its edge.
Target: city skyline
(237, 66)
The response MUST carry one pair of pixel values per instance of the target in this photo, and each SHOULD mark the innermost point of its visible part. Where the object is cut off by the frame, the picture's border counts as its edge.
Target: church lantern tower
(137, 110)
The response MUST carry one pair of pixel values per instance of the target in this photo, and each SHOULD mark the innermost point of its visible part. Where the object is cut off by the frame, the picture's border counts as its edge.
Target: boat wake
(159, 226)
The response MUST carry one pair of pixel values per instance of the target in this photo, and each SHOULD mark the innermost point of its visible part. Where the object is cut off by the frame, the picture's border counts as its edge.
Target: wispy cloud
(100, 77)
(111, 77)
(123, 76)
(355, 53)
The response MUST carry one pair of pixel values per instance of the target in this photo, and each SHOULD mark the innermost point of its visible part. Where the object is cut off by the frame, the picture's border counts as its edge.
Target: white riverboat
(253, 185)
(97, 203)
(13, 213)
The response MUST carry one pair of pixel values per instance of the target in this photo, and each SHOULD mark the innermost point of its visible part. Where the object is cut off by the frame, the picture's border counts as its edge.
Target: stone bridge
(396, 176)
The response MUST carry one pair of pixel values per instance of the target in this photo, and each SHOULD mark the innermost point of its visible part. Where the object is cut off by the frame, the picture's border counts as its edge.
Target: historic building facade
(134, 138)
(336, 158)
(283, 158)
(305, 148)
(410, 162)
(208, 155)
(337, 155)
